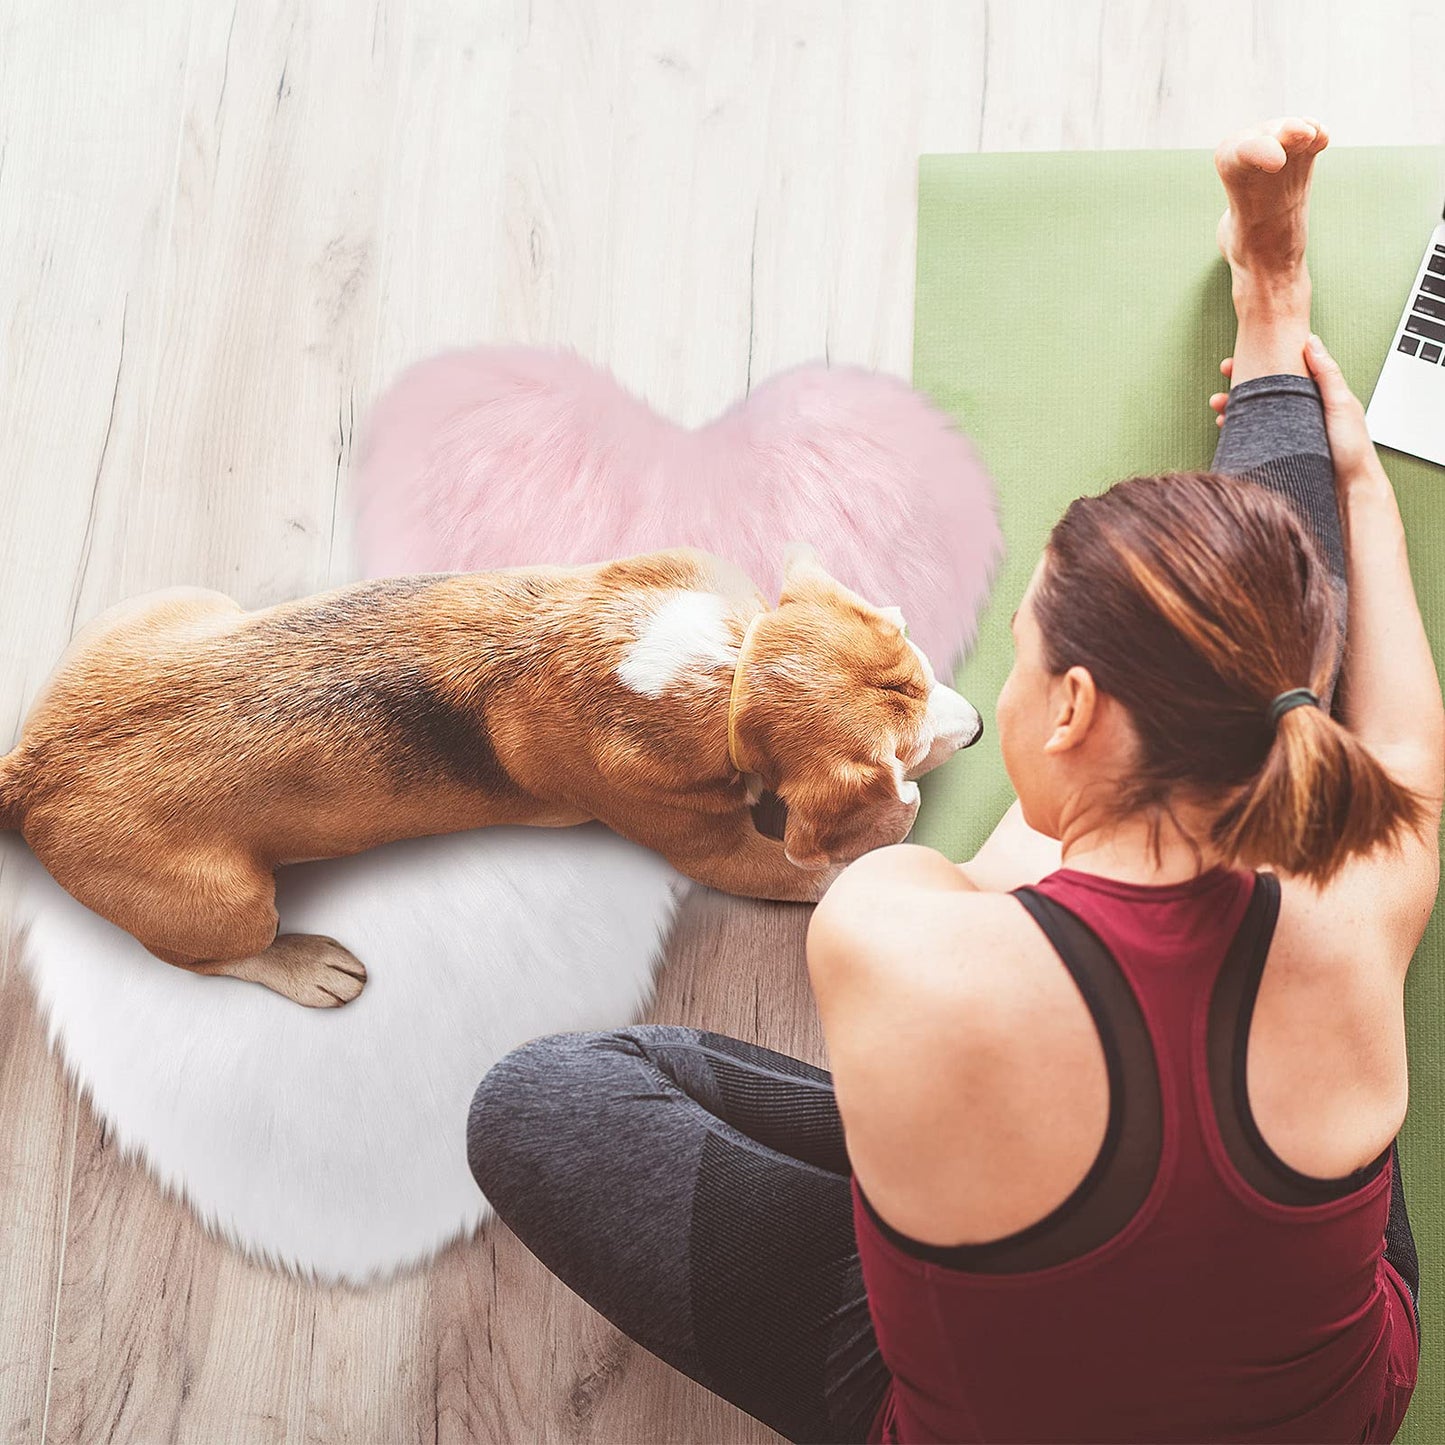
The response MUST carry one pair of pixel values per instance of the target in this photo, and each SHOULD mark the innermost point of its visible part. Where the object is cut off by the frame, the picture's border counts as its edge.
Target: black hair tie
(1295, 697)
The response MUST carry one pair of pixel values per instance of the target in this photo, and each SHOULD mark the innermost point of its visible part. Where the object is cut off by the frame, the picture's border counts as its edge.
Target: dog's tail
(11, 811)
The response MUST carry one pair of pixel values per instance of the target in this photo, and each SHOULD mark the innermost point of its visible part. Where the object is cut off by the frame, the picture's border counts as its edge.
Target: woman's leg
(1274, 425)
(1274, 434)
(694, 1189)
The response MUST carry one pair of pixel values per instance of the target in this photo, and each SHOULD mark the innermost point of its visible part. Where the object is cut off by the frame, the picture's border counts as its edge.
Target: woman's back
(1191, 1284)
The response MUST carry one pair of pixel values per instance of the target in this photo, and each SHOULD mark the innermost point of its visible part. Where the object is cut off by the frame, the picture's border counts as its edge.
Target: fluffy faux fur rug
(333, 1143)
(500, 456)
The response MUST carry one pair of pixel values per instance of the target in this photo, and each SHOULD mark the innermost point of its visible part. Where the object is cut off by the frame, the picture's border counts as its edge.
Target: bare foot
(1266, 173)
(307, 968)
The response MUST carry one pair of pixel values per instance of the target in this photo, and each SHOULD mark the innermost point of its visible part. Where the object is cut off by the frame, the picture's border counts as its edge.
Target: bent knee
(515, 1108)
(544, 1109)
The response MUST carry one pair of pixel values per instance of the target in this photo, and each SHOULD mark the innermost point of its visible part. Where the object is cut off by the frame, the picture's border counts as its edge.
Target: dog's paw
(314, 970)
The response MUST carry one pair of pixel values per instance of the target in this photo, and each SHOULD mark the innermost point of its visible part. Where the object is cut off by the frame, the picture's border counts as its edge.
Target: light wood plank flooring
(223, 228)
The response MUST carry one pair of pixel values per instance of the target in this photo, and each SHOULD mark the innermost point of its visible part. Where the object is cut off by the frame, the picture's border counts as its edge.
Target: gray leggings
(694, 1189)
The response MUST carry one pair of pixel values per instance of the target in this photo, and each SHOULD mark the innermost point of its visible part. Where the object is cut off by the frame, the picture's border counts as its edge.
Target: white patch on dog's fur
(684, 637)
(923, 661)
(907, 792)
(333, 1142)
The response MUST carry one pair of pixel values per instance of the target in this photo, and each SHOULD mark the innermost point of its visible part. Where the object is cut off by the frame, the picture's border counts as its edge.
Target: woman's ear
(1078, 708)
(850, 810)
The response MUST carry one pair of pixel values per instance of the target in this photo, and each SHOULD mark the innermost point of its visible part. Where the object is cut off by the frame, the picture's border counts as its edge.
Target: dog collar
(736, 689)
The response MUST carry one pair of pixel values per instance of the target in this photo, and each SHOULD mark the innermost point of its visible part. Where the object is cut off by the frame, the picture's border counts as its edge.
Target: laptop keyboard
(1425, 325)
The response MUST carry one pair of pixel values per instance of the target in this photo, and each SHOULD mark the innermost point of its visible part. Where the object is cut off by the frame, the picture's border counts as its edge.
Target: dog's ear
(799, 558)
(804, 574)
(805, 579)
(846, 811)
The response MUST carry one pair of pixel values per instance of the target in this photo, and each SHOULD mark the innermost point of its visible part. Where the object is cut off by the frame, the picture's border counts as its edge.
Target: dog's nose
(956, 721)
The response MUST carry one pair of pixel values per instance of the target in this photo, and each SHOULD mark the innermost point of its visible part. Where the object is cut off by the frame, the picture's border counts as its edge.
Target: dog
(184, 747)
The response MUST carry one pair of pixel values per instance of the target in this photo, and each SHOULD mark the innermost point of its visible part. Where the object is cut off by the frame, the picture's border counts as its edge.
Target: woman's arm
(1379, 904)
(1390, 693)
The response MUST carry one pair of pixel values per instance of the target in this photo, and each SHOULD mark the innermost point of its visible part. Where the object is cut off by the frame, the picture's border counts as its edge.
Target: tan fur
(184, 747)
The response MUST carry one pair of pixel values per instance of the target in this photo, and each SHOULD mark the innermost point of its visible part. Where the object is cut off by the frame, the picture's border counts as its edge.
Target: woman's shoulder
(904, 941)
(908, 912)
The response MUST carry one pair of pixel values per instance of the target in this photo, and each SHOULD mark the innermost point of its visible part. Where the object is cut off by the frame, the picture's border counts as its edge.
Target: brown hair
(1194, 600)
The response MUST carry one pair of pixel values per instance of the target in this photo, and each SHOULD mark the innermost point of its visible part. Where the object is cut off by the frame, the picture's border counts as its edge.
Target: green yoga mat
(1071, 313)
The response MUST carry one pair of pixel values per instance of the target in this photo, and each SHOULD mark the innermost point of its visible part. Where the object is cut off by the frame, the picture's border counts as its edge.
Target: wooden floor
(222, 228)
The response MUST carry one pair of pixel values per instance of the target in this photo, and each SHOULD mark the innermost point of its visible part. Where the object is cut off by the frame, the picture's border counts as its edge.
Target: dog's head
(837, 712)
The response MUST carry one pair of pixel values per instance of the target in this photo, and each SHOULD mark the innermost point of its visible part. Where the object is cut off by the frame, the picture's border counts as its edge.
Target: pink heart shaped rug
(504, 456)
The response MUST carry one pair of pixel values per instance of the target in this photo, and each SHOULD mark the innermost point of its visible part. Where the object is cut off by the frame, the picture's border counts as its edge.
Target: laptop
(1407, 411)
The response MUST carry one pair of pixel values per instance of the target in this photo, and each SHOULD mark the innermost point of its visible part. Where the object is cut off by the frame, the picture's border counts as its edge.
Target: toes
(343, 978)
(329, 989)
(344, 983)
(1269, 148)
(1261, 153)
(320, 973)
(1294, 133)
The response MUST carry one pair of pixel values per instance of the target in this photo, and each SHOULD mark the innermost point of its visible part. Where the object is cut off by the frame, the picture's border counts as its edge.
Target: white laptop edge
(1407, 409)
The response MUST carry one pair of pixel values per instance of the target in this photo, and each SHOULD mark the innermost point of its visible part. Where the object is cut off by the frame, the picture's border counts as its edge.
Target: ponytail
(1320, 798)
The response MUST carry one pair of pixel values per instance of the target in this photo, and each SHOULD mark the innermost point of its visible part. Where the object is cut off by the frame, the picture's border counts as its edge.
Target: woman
(1120, 1093)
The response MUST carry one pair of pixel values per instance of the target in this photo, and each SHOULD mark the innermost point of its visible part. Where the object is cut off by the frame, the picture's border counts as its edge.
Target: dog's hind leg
(232, 933)
(215, 915)
(234, 936)
(308, 968)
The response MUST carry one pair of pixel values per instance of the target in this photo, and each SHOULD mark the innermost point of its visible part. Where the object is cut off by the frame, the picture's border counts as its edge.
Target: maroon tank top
(1193, 1287)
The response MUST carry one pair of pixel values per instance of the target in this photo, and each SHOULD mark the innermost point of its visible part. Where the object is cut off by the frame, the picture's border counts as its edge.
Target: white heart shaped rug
(333, 1143)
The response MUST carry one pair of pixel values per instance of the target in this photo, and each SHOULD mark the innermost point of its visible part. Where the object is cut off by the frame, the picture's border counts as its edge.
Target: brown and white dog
(184, 747)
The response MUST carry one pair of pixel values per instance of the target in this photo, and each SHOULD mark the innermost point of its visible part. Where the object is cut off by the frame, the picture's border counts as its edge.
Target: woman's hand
(1220, 400)
(1351, 449)
(1350, 446)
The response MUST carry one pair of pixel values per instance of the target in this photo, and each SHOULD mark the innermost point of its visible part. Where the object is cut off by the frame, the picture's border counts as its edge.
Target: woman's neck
(1122, 850)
